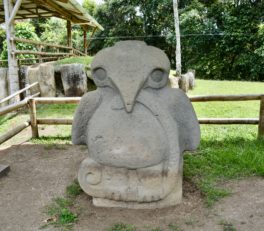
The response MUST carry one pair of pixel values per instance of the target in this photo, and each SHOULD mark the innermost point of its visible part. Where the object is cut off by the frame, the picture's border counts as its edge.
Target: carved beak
(129, 89)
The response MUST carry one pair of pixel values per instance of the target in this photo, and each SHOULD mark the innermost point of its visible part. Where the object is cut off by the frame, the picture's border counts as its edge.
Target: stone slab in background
(4, 169)
(32, 77)
(47, 79)
(22, 72)
(74, 79)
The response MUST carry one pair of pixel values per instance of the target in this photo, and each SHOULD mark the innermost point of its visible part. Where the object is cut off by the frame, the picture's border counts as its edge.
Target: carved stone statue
(136, 129)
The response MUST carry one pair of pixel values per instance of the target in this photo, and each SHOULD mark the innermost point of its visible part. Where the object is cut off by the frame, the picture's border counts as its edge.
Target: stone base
(172, 199)
(153, 187)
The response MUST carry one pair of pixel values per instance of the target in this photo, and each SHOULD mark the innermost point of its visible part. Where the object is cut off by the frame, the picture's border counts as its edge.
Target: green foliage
(231, 156)
(134, 19)
(61, 213)
(38, 24)
(90, 6)
(220, 39)
(61, 210)
(74, 189)
(22, 30)
(86, 60)
(122, 227)
(2, 38)
(51, 141)
(54, 31)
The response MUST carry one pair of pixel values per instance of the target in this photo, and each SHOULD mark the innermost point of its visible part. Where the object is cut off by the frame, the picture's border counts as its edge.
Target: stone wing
(88, 104)
(183, 113)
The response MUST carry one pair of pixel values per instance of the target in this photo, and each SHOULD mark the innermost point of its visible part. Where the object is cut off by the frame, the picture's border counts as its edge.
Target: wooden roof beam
(29, 11)
(63, 1)
(50, 4)
(14, 11)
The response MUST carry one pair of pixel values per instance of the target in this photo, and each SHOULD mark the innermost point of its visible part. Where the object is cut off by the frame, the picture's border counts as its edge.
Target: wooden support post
(69, 34)
(12, 62)
(33, 118)
(94, 30)
(39, 56)
(85, 41)
(261, 118)
(14, 12)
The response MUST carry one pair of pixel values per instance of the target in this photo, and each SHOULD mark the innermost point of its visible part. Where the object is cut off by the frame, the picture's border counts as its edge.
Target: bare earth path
(40, 173)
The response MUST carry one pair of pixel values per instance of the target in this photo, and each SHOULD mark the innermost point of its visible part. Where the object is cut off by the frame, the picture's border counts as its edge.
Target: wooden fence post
(261, 118)
(33, 118)
(39, 56)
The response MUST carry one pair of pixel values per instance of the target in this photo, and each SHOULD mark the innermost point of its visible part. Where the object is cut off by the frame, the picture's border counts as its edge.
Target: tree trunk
(178, 38)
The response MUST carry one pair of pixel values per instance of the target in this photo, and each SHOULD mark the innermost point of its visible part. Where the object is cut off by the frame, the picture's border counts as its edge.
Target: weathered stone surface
(3, 84)
(174, 81)
(74, 79)
(33, 75)
(46, 79)
(187, 81)
(22, 72)
(4, 169)
(136, 129)
(43, 74)
(88, 72)
(191, 79)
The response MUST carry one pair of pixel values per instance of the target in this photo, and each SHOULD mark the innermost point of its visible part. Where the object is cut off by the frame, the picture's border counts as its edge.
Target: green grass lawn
(226, 152)
(78, 59)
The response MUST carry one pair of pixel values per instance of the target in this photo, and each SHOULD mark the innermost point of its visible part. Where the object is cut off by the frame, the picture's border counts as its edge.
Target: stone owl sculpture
(136, 129)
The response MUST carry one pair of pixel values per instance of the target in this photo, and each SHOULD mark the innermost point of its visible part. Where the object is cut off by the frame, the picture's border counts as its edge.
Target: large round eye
(99, 73)
(157, 75)
(157, 79)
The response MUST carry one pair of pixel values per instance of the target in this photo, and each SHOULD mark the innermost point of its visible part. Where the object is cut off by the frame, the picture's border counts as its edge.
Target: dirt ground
(40, 173)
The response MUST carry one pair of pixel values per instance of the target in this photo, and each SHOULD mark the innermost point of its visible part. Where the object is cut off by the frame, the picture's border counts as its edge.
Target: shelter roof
(65, 9)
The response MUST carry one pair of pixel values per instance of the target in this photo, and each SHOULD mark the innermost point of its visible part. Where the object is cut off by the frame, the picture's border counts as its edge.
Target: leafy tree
(22, 30)
(135, 19)
(2, 38)
(90, 6)
(55, 32)
(39, 23)
(220, 39)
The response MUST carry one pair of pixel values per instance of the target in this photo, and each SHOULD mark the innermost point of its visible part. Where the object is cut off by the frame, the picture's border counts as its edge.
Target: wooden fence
(34, 121)
(41, 55)
(14, 107)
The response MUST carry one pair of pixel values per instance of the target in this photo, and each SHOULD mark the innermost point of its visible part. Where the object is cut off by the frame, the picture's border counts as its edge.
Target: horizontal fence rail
(29, 41)
(32, 101)
(18, 92)
(55, 100)
(44, 51)
(215, 121)
(228, 121)
(14, 107)
(207, 98)
(14, 131)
